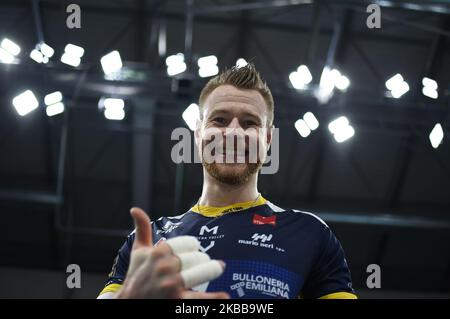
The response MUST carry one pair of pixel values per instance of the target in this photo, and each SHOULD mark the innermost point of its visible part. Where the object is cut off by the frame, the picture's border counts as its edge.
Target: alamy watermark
(73, 20)
(374, 279)
(374, 19)
(74, 278)
(228, 146)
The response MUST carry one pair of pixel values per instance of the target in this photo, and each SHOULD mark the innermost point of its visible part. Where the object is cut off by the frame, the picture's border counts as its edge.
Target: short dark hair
(246, 77)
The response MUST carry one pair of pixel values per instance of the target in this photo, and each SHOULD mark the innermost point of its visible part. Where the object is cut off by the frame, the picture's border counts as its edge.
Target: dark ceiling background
(67, 182)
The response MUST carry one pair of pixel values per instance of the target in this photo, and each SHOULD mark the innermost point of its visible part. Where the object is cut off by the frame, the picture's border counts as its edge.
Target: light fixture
(10, 46)
(8, 51)
(302, 128)
(37, 56)
(342, 83)
(42, 53)
(430, 88)
(436, 135)
(55, 109)
(301, 77)
(311, 121)
(330, 79)
(72, 55)
(54, 104)
(191, 115)
(46, 50)
(397, 86)
(111, 62)
(113, 108)
(341, 129)
(175, 64)
(6, 57)
(240, 63)
(25, 102)
(207, 66)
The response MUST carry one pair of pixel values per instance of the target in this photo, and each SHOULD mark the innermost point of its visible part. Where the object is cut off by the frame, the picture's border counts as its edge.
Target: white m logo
(214, 230)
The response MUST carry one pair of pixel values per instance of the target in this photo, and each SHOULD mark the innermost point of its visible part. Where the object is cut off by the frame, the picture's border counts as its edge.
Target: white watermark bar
(229, 146)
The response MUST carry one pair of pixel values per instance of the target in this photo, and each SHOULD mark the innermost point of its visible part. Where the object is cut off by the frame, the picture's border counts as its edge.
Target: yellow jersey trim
(211, 211)
(111, 288)
(340, 295)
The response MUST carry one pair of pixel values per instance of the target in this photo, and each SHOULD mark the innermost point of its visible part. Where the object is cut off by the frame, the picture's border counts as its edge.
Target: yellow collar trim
(211, 211)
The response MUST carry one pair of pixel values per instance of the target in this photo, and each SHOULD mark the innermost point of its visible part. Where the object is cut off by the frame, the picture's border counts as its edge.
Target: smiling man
(259, 250)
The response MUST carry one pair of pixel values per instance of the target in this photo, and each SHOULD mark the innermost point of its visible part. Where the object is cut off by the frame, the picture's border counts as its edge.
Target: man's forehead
(229, 93)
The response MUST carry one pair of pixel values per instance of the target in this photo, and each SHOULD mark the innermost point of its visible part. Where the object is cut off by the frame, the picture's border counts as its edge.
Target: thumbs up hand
(169, 269)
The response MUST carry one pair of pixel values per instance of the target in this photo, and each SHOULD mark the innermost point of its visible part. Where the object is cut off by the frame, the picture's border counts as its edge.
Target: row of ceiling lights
(300, 79)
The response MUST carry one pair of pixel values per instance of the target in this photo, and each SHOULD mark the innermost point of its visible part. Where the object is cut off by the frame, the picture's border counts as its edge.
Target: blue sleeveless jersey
(269, 252)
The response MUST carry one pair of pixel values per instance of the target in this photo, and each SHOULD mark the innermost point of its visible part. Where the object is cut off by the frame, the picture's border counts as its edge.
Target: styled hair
(246, 77)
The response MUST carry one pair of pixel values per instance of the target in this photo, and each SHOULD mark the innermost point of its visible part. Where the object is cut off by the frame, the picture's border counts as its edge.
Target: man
(264, 251)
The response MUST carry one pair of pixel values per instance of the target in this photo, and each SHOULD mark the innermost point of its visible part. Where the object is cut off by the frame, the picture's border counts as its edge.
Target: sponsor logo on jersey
(210, 235)
(263, 220)
(261, 240)
(245, 283)
(168, 227)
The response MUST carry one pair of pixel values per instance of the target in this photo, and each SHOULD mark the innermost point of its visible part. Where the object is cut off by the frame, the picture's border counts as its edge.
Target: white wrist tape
(189, 260)
(183, 244)
(201, 273)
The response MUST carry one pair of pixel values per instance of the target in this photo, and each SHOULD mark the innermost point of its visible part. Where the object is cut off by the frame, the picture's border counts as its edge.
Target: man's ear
(197, 132)
(269, 136)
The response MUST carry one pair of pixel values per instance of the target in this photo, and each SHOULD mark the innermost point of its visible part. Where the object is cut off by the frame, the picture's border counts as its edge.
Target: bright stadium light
(341, 129)
(330, 79)
(191, 115)
(397, 86)
(54, 109)
(430, 88)
(338, 123)
(42, 53)
(344, 133)
(113, 108)
(53, 98)
(241, 62)
(342, 83)
(8, 51)
(114, 114)
(37, 56)
(436, 135)
(175, 64)
(46, 50)
(302, 128)
(25, 102)
(72, 55)
(207, 66)
(311, 121)
(10, 47)
(54, 104)
(301, 77)
(111, 62)
(6, 57)
(70, 60)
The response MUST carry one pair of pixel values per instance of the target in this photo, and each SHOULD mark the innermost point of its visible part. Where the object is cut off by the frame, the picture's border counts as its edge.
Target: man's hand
(169, 269)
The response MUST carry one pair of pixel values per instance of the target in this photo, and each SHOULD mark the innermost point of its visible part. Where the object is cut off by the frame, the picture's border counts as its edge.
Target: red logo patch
(262, 220)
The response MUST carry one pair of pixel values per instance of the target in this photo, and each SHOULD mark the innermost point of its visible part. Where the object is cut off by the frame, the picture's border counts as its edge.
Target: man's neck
(217, 194)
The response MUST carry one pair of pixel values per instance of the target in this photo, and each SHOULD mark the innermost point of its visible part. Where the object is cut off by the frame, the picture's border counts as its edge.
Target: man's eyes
(249, 123)
(245, 123)
(219, 120)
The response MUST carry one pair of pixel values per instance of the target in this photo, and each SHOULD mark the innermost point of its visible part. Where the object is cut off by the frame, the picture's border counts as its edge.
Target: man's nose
(234, 125)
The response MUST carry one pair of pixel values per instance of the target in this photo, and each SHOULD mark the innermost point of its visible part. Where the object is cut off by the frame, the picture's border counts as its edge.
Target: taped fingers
(189, 260)
(202, 273)
(183, 244)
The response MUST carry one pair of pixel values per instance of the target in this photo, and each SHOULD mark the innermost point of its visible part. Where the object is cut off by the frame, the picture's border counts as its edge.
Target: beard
(235, 172)
(232, 174)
